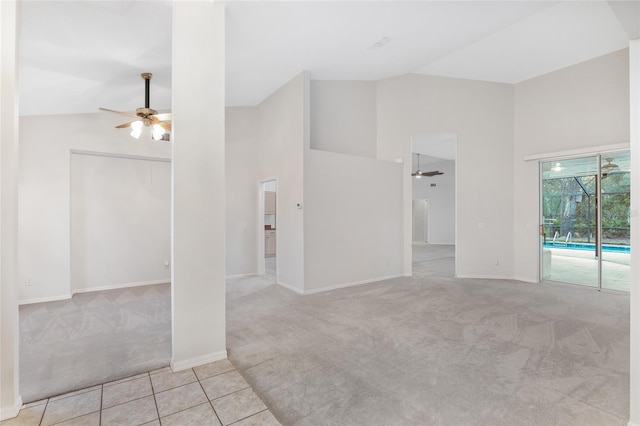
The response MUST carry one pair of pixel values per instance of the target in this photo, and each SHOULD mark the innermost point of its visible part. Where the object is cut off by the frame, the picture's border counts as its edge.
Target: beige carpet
(434, 350)
(429, 349)
(93, 338)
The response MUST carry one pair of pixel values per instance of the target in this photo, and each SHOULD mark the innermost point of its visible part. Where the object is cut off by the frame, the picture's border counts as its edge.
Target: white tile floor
(212, 394)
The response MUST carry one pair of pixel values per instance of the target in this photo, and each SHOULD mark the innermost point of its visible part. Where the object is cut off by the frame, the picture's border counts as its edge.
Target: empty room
(315, 213)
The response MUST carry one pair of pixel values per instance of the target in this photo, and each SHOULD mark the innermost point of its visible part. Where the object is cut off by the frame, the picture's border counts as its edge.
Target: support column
(10, 401)
(198, 184)
(634, 96)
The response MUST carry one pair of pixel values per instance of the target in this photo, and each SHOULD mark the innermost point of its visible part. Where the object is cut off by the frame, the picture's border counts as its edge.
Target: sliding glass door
(585, 221)
(569, 216)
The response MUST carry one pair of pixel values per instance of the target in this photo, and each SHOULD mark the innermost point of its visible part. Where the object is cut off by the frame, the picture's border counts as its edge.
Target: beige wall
(584, 108)
(343, 117)
(481, 114)
(281, 126)
(44, 237)
(352, 220)
(242, 190)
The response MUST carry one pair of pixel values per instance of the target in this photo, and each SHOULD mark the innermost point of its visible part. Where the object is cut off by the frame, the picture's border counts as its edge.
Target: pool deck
(581, 267)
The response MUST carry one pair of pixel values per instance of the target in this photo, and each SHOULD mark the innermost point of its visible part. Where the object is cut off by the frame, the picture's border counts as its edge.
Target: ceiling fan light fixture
(157, 132)
(556, 168)
(609, 167)
(136, 129)
(146, 117)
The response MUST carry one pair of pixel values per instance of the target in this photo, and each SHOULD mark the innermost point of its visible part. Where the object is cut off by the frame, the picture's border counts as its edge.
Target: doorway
(269, 243)
(585, 226)
(433, 194)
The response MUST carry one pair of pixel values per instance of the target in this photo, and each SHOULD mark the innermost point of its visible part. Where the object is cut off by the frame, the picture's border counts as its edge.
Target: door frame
(260, 240)
(597, 192)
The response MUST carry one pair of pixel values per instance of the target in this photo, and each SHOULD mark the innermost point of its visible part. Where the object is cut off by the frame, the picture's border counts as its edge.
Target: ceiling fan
(608, 168)
(146, 117)
(418, 173)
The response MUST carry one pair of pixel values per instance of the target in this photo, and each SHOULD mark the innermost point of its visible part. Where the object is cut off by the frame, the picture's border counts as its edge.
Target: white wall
(352, 220)
(481, 114)
(442, 201)
(634, 90)
(420, 221)
(584, 108)
(242, 201)
(10, 401)
(343, 117)
(44, 233)
(120, 222)
(282, 128)
(198, 323)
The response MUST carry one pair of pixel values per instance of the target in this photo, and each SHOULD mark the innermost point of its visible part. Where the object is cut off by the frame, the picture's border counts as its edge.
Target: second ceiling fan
(418, 173)
(146, 117)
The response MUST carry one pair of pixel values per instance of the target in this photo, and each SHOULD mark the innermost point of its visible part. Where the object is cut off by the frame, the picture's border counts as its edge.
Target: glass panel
(616, 215)
(569, 221)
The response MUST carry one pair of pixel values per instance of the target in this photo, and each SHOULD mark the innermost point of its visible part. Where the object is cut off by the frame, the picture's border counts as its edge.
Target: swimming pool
(592, 247)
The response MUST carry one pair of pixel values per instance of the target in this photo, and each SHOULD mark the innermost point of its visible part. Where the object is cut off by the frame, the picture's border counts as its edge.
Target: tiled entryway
(212, 394)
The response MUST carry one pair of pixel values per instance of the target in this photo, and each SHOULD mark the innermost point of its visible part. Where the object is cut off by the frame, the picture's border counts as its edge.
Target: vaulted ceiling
(77, 56)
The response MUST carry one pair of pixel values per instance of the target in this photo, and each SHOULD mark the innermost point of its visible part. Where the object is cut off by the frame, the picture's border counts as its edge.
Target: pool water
(592, 247)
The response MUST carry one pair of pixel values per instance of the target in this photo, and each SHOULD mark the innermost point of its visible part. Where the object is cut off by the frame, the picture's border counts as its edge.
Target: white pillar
(10, 400)
(198, 184)
(634, 96)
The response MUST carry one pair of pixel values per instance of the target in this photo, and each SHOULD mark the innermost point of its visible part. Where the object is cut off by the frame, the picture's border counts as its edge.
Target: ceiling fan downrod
(147, 80)
(145, 112)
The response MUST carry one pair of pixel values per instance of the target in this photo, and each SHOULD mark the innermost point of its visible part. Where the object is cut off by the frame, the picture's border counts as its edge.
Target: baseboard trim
(254, 274)
(526, 280)
(11, 412)
(43, 299)
(486, 277)
(89, 290)
(197, 361)
(117, 286)
(290, 287)
(632, 423)
(352, 284)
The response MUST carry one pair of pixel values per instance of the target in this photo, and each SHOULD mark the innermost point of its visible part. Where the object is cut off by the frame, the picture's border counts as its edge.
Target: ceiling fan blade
(164, 125)
(154, 120)
(433, 173)
(165, 116)
(122, 126)
(128, 114)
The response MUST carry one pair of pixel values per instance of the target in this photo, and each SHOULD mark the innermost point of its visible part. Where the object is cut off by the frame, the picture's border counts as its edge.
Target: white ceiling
(435, 146)
(428, 163)
(77, 56)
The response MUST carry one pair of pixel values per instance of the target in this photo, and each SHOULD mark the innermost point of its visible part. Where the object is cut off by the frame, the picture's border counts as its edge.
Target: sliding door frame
(598, 200)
